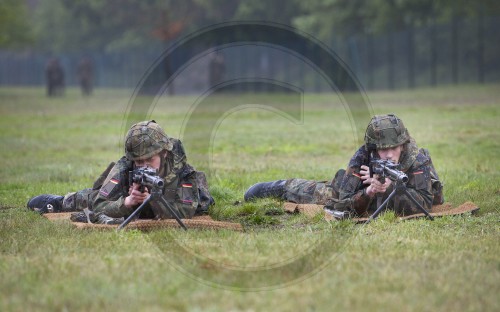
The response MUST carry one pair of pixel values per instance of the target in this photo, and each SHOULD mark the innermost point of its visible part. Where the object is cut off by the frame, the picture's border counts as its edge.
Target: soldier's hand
(135, 196)
(365, 175)
(377, 187)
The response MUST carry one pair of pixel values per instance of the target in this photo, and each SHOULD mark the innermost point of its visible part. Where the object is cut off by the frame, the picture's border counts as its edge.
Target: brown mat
(437, 211)
(198, 222)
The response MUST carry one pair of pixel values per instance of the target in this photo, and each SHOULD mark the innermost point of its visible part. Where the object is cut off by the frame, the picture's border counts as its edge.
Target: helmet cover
(145, 139)
(386, 131)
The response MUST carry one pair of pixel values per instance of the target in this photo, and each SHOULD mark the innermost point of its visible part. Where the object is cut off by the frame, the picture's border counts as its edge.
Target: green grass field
(281, 262)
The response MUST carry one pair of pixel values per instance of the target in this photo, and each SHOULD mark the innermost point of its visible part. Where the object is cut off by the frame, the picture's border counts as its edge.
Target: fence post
(390, 61)
(480, 44)
(433, 52)
(454, 49)
(370, 51)
(411, 59)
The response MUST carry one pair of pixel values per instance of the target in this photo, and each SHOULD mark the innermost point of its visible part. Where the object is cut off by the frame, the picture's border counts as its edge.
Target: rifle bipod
(154, 198)
(399, 188)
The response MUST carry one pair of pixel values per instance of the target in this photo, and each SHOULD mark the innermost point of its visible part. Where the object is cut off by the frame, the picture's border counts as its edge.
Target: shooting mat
(206, 222)
(198, 222)
(437, 211)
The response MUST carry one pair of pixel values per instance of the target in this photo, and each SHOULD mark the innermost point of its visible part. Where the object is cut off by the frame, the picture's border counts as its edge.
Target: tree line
(117, 25)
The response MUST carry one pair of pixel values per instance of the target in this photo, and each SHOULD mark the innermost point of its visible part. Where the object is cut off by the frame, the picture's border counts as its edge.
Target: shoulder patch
(109, 187)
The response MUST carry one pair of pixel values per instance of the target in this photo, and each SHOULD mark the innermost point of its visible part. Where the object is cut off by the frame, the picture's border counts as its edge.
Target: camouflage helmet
(386, 131)
(145, 139)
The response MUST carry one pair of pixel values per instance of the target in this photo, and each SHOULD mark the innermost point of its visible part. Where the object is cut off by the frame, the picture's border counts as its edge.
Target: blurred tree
(279, 11)
(326, 18)
(14, 28)
(329, 18)
(216, 11)
(109, 25)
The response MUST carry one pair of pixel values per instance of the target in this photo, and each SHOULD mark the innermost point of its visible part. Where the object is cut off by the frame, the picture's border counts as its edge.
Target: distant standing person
(55, 78)
(85, 74)
(217, 69)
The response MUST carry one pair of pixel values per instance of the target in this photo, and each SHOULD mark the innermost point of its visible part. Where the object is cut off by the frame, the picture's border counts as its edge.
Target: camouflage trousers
(303, 191)
(77, 201)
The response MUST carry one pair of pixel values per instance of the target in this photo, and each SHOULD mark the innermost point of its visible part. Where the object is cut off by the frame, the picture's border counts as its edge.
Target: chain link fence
(463, 51)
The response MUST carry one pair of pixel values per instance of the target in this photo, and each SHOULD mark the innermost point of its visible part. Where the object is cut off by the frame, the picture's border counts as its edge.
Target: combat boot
(46, 203)
(266, 189)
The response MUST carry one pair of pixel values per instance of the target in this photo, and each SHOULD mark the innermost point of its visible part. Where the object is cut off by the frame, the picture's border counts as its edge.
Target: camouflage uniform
(414, 162)
(303, 191)
(347, 192)
(185, 188)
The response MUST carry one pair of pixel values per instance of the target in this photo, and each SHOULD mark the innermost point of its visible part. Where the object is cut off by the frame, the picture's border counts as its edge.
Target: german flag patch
(109, 187)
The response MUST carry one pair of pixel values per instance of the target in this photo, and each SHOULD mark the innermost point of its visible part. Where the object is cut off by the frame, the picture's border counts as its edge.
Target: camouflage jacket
(182, 187)
(414, 162)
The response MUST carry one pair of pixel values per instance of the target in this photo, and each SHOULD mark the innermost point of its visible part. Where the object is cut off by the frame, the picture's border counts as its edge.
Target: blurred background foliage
(15, 30)
(387, 44)
(111, 25)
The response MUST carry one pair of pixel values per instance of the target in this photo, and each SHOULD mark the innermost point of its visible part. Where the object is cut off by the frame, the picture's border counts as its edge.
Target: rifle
(148, 177)
(386, 168)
